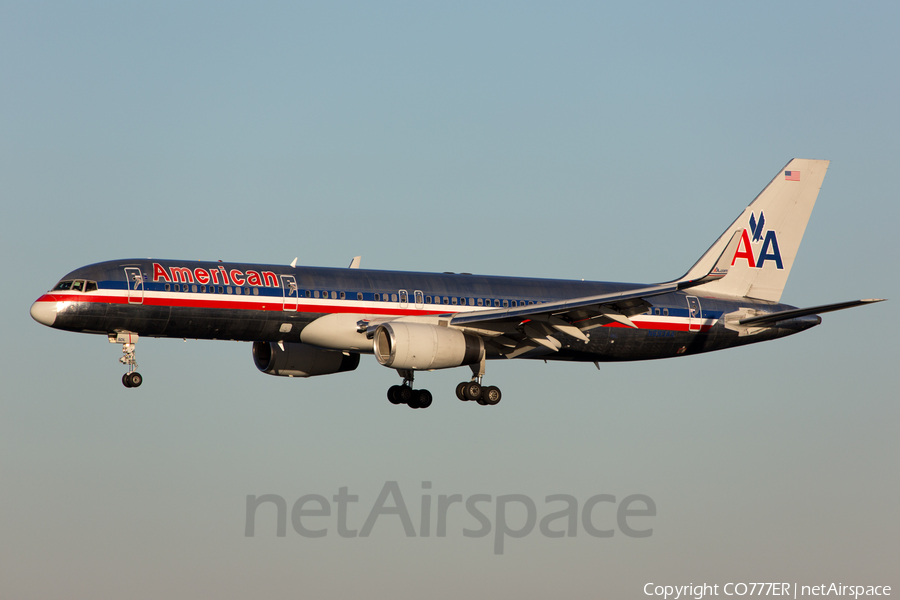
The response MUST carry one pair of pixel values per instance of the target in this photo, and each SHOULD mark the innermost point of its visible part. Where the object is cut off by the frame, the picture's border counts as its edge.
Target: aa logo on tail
(767, 251)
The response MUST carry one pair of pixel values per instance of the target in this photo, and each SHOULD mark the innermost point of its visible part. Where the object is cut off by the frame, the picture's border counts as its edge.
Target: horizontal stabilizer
(784, 315)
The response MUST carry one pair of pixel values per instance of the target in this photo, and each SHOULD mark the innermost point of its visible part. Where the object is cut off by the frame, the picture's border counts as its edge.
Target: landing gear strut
(405, 394)
(132, 378)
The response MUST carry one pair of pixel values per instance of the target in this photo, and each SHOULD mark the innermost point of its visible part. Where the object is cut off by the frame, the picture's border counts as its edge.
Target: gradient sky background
(575, 140)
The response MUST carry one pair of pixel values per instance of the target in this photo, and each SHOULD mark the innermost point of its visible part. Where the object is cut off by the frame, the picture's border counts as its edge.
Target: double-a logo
(769, 249)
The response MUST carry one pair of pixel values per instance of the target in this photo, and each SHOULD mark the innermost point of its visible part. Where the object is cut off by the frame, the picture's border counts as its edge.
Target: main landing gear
(466, 390)
(473, 390)
(483, 395)
(132, 378)
(405, 394)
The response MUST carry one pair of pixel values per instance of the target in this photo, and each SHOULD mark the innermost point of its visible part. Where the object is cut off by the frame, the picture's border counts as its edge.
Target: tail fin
(769, 231)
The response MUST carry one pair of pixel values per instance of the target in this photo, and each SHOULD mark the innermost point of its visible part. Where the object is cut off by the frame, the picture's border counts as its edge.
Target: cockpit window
(78, 285)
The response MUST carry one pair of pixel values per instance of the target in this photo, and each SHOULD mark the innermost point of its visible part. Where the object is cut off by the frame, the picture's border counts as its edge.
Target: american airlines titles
(220, 276)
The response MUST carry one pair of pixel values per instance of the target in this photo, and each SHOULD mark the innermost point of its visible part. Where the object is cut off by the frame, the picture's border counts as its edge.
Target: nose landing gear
(132, 378)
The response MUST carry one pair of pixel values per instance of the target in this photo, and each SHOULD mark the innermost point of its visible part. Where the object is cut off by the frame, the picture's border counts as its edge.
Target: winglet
(354, 264)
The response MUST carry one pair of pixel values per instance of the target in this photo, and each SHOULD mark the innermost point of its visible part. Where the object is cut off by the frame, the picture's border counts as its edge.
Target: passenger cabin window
(256, 292)
(377, 297)
(665, 312)
(427, 299)
(343, 296)
(403, 296)
(480, 302)
(359, 295)
(506, 304)
(168, 287)
(446, 300)
(393, 297)
(454, 301)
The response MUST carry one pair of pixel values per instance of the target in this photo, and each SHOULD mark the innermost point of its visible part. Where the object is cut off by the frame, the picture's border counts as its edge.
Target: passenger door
(134, 281)
(695, 314)
(291, 295)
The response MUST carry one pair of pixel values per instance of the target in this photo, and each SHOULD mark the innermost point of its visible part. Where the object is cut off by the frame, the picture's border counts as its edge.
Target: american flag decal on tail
(792, 175)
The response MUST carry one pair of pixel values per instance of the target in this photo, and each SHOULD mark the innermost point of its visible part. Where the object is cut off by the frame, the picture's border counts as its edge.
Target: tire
(126, 380)
(414, 400)
(135, 379)
(481, 401)
(472, 391)
(404, 394)
(424, 400)
(491, 395)
(393, 394)
(460, 390)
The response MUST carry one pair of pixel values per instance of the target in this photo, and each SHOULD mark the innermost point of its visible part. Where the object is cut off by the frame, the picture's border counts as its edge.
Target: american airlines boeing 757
(307, 321)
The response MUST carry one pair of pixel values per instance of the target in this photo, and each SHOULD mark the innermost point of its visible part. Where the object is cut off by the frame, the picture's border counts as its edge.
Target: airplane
(310, 321)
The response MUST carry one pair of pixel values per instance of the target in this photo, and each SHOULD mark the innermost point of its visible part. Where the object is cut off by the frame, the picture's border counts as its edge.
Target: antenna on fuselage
(294, 262)
(354, 264)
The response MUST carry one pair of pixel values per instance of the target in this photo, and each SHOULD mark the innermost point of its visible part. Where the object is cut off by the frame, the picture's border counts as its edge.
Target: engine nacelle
(422, 347)
(301, 360)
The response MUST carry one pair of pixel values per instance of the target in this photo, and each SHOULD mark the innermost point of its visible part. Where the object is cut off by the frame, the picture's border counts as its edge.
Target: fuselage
(274, 303)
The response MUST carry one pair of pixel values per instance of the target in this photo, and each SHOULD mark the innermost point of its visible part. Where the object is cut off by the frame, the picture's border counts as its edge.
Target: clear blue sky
(567, 140)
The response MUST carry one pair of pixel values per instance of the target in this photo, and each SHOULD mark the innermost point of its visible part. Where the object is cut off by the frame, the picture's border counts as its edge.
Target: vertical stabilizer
(768, 235)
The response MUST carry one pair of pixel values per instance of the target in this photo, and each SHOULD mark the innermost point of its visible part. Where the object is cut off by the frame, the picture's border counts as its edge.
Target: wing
(515, 331)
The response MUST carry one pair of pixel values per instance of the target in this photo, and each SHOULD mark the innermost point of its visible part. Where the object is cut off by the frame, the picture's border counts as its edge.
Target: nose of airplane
(44, 312)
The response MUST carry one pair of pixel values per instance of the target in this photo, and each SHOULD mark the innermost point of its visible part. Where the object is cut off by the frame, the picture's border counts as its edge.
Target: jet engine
(301, 360)
(423, 347)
